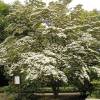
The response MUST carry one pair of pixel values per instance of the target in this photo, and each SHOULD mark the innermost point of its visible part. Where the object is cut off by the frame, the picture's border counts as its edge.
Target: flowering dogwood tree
(48, 44)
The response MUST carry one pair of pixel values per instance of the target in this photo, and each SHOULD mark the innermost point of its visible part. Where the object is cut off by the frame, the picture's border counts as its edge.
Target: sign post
(17, 82)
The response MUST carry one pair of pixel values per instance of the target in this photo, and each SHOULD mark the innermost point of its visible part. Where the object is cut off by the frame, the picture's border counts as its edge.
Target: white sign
(17, 80)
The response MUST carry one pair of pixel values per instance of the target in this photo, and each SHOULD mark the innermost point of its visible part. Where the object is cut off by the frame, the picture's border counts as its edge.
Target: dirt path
(92, 99)
(3, 96)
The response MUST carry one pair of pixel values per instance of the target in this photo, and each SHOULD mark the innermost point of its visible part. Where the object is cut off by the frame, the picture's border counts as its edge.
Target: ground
(92, 99)
(3, 96)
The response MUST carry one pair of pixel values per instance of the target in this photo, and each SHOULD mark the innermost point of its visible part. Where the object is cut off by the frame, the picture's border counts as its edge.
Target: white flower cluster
(97, 70)
(25, 40)
(84, 73)
(61, 35)
(3, 51)
(3, 60)
(37, 57)
(49, 53)
(75, 46)
(87, 38)
(36, 65)
(59, 32)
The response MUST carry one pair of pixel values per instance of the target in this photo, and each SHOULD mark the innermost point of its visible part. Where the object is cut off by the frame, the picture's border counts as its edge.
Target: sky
(87, 4)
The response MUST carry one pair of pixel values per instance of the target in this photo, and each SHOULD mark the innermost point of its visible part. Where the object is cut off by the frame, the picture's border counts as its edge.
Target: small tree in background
(4, 10)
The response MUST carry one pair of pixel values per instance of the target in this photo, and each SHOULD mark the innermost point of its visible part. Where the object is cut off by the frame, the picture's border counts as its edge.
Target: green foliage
(4, 10)
(96, 92)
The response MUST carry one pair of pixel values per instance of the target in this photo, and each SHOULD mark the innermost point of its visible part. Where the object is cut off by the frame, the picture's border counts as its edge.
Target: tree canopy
(52, 42)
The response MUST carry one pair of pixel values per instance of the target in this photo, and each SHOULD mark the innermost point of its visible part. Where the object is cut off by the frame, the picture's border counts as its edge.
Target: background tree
(4, 10)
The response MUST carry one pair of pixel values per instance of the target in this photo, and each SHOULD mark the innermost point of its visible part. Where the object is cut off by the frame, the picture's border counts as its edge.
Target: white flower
(84, 72)
(49, 53)
(61, 35)
(24, 40)
(97, 70)
(45, 25)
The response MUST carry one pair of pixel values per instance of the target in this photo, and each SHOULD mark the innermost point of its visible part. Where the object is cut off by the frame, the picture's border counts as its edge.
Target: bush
(96, 92)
